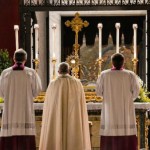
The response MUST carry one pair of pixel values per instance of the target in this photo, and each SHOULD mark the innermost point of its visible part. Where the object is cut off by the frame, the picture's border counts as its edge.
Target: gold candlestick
(100, 61)
(135, 61)
(54, 60)
(36, 62)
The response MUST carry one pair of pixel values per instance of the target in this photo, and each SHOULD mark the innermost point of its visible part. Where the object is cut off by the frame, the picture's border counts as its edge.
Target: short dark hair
(20, 55)
(63, 68)
(117, 60)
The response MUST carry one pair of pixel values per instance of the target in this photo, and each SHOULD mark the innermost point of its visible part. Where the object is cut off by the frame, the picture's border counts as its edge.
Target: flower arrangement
(143, 95)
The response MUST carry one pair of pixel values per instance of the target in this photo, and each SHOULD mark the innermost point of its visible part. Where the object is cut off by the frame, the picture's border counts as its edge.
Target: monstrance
(76, 24)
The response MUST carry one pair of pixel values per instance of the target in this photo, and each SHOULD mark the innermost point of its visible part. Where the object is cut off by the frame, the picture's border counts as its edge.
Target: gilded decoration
(40, 98)
(76, 24)
(36, 62)
(74, 60)
(90, 94)
(138, 129)
(90, 64)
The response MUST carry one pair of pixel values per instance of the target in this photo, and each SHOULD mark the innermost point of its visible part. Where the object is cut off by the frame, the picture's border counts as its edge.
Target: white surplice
(119, 88)
(18, 88)
(65, 119)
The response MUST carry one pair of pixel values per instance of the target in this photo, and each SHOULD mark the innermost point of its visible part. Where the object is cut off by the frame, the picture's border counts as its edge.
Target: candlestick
(135, 40)
(100, 26)
(54, 65)
(36, 62)
(54, 56)
(117, 25)
(16, 28)
(100, 61)
(135, 61)
(54, 28)
(36, 27)
(53, 52)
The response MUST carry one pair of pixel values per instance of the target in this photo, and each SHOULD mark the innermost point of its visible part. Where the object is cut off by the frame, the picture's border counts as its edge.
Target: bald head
(63, 68)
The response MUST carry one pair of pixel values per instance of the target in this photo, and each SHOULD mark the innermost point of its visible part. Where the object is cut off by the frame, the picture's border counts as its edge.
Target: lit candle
(117, 25)
(16, 28)
(100, 26)
(53, 50)
(135, 26)
(36, 27)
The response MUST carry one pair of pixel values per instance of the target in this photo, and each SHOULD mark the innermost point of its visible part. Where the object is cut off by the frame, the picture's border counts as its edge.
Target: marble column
(148, 49)
(42, 71)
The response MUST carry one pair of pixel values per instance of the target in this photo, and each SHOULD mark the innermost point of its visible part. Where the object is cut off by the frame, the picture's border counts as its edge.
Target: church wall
(9, 16)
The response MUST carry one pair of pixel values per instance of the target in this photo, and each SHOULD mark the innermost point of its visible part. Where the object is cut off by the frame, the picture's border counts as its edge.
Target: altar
(94, 104)
(94, 112)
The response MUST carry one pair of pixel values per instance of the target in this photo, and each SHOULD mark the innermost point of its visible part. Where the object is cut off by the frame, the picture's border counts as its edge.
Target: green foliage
(5, 60)
(144, 94)
(1, 100)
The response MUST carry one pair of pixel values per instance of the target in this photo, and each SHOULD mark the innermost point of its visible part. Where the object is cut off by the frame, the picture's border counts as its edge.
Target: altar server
(119, 88)
(18, 86)
(65, 119)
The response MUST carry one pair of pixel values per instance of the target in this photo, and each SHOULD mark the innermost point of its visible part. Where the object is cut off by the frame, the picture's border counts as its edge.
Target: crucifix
(76, 24)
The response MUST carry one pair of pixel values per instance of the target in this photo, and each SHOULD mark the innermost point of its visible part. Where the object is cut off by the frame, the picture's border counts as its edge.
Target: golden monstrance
(76, 24)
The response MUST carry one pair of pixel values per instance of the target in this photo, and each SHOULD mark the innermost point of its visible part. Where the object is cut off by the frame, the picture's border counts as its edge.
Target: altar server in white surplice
(18, 86)
(119, 88)
(65, 119)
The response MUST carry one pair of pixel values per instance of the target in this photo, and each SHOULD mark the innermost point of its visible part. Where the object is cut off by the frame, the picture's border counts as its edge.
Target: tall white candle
(16, 28)
(53, 50)
(36, 27)
(135, 26)
(100, 26)
(117, 25)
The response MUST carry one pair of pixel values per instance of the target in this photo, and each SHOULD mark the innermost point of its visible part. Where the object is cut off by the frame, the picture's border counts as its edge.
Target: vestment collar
(18, 66)
(114, 68)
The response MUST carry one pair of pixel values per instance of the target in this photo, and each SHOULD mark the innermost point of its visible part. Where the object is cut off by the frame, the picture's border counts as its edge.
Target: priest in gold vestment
(65, 118)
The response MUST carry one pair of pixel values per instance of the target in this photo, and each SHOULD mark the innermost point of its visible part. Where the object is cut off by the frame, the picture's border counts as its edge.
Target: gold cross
(76, 24)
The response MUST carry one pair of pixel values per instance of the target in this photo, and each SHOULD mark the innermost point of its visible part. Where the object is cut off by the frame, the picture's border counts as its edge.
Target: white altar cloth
(90, 106)
(97, 106)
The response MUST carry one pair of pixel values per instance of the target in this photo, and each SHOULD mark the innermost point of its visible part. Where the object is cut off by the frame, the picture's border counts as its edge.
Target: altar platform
(94, 112)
